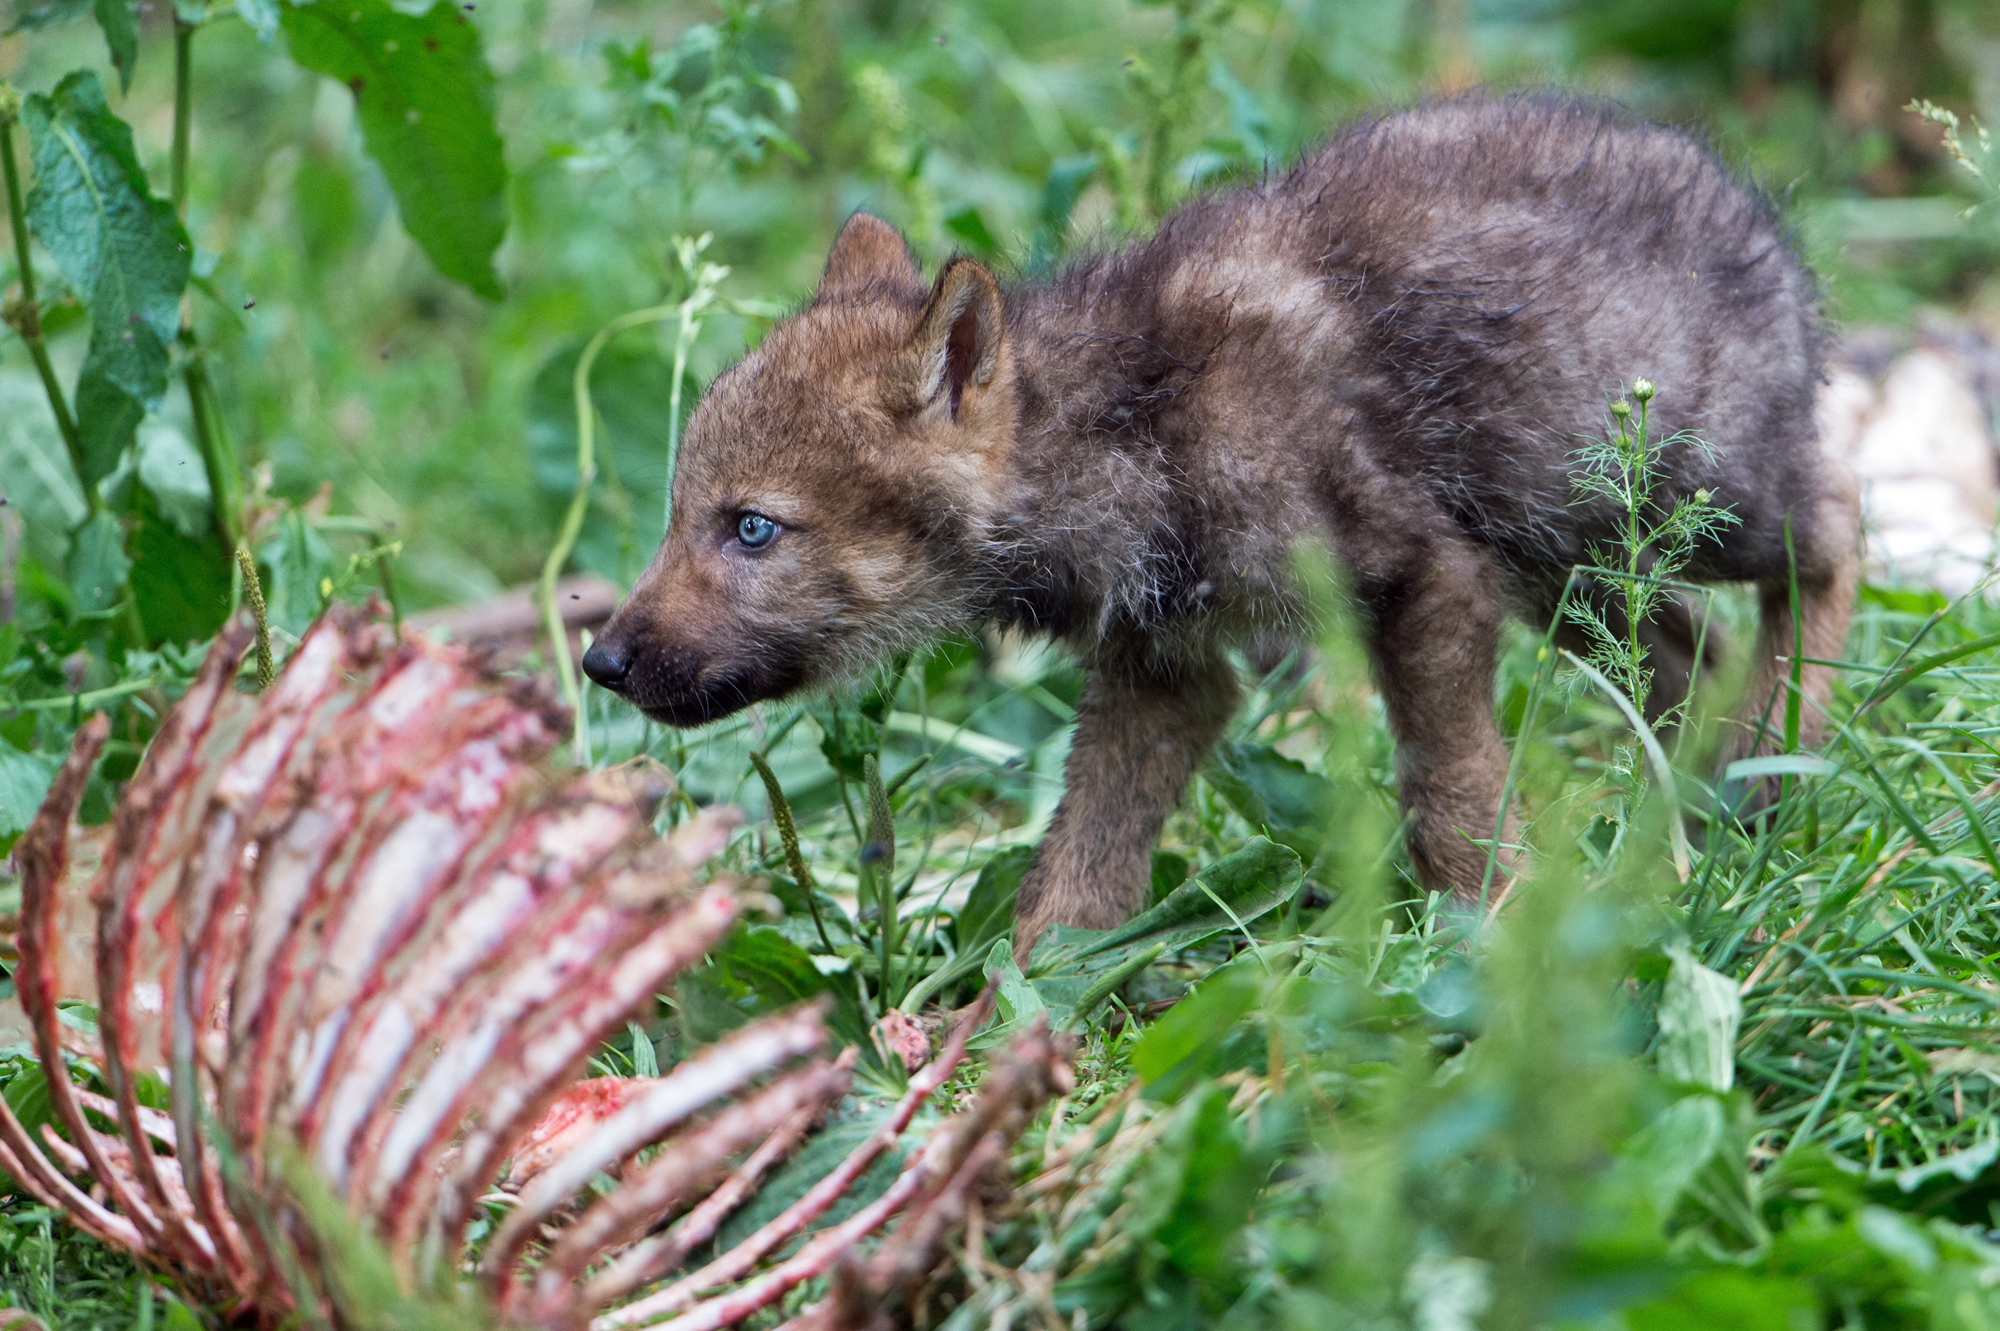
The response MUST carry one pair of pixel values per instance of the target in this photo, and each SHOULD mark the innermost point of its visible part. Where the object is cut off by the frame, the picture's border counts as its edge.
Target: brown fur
(1396, 346)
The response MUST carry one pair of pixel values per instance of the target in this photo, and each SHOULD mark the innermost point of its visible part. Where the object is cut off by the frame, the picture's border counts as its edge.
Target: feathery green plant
(1654, 541)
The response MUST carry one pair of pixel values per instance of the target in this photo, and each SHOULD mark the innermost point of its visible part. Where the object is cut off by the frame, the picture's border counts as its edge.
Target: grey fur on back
(1464, 285)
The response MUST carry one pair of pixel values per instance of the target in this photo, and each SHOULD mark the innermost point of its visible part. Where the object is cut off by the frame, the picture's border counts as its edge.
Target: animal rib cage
(367, 942)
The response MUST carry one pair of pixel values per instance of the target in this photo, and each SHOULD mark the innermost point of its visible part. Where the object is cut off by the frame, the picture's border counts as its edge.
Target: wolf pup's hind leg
(1827, 549)
(1140, 734)
(1436, 607)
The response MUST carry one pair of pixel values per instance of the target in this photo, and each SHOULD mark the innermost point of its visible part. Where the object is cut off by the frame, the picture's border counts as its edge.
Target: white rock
(1924, 454)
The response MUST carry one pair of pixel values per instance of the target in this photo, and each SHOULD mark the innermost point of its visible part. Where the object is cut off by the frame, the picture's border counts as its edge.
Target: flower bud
(1643, 389)
(1622, 409)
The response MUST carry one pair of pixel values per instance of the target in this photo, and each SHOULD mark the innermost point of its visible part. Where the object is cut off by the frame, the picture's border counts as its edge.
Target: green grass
(1369, 1093)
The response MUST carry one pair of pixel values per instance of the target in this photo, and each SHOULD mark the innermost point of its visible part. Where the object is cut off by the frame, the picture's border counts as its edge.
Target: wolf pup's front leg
(1140, 734)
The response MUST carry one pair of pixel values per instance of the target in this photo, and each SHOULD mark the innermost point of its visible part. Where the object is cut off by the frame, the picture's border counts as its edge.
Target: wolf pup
(1395, 347)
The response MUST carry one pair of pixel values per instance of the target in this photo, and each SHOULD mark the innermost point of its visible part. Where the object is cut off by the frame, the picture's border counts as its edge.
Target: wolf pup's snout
(607, 666)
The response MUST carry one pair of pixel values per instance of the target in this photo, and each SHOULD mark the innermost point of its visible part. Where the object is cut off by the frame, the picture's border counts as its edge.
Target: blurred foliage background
(1012, 130)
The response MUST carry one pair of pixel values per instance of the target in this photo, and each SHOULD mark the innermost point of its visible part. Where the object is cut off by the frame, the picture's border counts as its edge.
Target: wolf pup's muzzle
(677, 687)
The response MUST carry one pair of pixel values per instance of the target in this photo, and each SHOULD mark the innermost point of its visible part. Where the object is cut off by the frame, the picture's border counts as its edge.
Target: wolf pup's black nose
(607, 666)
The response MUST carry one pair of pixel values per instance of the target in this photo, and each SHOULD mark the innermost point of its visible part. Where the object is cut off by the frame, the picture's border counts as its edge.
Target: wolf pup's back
(1397, 347)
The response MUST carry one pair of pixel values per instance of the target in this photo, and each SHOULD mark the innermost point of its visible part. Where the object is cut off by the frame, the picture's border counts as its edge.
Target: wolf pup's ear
(955, 347)
(867, 254)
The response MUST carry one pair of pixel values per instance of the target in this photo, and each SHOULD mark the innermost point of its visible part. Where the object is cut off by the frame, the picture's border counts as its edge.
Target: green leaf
(1663, 1158)
(97, 564)
(815, 1160)
(24, 781)
(1739, 1300)
(180, 585)
(107, 416)
(1177, 1049)
(1278, 794)
(1247, 885)
(970, 227)
(298, 561)
(759, 970)
(1018, 1001)
(1195, 1190)
(1169, 872)
(38, 481)
(1699, 1013)
(119, 247)
(988, 913)
(1015, 998)
(424, 96)
(121, 34)
(172, 472)
(48, 14)
(28, 1096)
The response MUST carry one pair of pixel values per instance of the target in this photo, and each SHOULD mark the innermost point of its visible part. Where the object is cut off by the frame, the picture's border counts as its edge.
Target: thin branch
(26, 316)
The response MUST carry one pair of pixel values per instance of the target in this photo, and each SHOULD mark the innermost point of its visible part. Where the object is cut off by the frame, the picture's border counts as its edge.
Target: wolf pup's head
(830, 494)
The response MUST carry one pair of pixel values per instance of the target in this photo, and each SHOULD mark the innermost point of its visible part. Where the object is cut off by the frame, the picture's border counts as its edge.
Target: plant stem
(579, 504)
(702, 280)
(84, 701)
(183, 113)
(218, 457)
(1635, 491)
(27, 316)
(1174, 105)
(684, 337)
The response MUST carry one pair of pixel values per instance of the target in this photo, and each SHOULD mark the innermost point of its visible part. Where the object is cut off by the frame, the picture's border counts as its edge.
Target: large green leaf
(35, 474)
(119, 247)
(28, 1096)
(424, 96)
(821, 1154)
(121, 34)
(1292, 804)
(97, 564)
(1699, 1014)
(24, 780)
(758, 971)
(181, 585)
(172, 472)
(1231, 892)
(1196, 1028)
(988, 913)
(298, 564)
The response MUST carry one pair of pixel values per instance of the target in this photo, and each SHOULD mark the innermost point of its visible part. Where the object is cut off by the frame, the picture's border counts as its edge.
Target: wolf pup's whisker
(1393, 347)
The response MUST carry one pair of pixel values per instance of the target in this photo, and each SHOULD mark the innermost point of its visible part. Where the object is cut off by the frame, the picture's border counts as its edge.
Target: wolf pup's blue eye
(755, 530)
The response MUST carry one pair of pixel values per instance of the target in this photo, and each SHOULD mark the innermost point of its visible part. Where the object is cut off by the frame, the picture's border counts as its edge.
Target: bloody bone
(358, 925)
